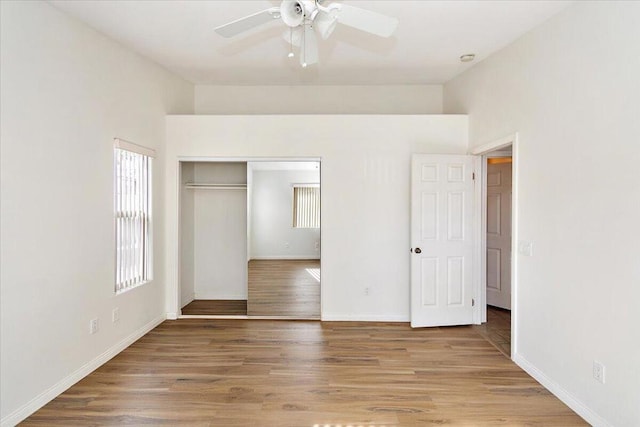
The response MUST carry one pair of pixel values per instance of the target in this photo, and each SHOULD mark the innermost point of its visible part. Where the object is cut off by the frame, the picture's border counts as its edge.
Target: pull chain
(290, 55)
(304, 45)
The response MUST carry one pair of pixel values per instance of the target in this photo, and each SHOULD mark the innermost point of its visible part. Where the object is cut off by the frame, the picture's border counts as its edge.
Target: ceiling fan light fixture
(467, 57)
(325, 23)
(292, 12)
(308, 19)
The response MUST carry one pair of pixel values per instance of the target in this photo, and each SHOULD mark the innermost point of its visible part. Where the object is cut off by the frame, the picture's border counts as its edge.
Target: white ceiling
(425, 49)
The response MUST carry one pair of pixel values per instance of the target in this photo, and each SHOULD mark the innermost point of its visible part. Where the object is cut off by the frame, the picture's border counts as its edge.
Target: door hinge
(473, 176)
(473, 302)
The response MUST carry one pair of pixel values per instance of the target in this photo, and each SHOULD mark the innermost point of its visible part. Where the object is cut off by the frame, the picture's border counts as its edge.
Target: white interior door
(442, 236)
(499, 235)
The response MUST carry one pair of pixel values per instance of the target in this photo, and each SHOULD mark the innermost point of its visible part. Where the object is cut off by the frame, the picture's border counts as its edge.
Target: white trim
(190, 299)
(478, 314)
(173, 283)
(216, 296)
(498, 154)
(48, 395)
(306, 184)
(244, 317)
(213, 316)
(567, 398)
(494, 145)
(285, 257)
(247, 159)
(481, 290)
(336, 317)
(135, 148)
(515, 168)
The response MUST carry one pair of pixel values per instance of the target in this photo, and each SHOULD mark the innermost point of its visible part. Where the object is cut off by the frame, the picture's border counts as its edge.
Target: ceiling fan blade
(309, 48)
(365, 20)
(248, 22)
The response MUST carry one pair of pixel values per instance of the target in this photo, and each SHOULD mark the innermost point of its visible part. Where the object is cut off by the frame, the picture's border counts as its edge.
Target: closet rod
(203, 186)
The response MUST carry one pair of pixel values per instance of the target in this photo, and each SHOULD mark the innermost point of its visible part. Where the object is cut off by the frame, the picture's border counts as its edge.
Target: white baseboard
(48, 395)
(335, 317)
(562, 394)
(214, 295)
(189, 298)
(285, 257)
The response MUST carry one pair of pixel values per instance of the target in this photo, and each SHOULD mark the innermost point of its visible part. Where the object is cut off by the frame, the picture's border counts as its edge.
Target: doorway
(498, 234)
(250, 238)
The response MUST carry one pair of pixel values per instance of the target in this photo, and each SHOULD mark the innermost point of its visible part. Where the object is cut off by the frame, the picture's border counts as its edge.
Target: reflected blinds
(306, 207)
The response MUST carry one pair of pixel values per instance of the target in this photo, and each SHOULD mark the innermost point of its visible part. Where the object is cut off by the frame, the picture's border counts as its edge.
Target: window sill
(132, 287)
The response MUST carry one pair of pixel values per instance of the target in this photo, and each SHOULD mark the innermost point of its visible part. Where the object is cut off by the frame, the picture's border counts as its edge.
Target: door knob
(418, 250)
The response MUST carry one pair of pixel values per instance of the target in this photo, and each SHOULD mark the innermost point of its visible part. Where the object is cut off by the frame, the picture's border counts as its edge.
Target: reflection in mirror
(283, 236)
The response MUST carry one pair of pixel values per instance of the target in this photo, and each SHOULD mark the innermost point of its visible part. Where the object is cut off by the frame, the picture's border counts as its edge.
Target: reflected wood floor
(198, 372)
(216, 307)
(287, 288)
(497, 330)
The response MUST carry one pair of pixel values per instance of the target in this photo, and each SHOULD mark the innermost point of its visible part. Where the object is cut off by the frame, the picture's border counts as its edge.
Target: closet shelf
(213, 186)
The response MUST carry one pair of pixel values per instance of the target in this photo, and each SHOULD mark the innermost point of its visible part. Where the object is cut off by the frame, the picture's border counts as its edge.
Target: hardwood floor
(198, 372)
(287, 288)
(497, 329)
(216, 307)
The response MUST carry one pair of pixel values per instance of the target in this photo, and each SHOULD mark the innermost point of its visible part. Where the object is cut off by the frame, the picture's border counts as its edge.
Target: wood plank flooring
(216, 307)
(287, 288)
(497, 329)
(198, 372)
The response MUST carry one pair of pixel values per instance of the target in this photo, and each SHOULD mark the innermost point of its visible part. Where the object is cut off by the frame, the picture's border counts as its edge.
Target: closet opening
(250, 238)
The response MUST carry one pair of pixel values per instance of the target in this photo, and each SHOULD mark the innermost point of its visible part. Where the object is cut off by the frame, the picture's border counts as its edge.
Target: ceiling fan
(305, 17)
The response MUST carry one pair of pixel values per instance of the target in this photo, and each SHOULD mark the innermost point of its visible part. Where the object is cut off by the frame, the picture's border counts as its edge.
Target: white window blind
(306, 206)
(132, 171)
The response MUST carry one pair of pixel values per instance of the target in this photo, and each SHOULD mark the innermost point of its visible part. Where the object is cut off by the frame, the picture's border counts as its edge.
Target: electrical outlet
(93, 326)
(598, 371)
(367, 291)
(286, 245)
(317, 245)
(115, 315)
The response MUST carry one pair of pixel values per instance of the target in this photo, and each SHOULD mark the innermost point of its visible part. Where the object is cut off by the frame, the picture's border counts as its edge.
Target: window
(306, 206)
(132, 203)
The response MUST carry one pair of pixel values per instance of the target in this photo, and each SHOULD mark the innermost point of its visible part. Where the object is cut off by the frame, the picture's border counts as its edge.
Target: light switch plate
(93, 326)
(525, 248)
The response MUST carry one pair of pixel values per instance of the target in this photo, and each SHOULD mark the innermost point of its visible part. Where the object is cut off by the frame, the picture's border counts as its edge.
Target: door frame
(177, 314)
(486, 151)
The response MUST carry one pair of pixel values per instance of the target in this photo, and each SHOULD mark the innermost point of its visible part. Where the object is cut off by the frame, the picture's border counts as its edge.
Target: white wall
(365, 193)
(398, 99)
(272, 232)
(570, 88)
(187, 236)
(67, 91)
